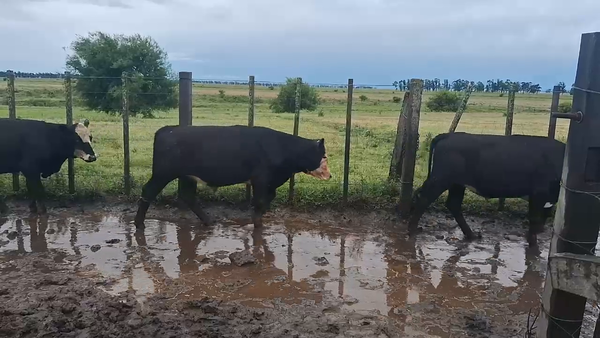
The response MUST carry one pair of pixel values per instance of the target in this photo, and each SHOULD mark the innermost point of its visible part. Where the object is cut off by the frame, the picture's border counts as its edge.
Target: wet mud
(87, 272)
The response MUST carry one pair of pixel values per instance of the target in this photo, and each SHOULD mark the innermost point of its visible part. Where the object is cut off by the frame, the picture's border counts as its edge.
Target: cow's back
(498, 165)
(19, 138)
(218, 155)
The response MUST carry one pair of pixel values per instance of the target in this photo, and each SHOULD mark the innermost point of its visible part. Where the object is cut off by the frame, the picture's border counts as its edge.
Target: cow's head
(83, 143)
(317, 164)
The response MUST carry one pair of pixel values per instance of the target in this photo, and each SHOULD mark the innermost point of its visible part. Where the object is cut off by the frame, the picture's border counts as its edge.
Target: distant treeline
(492, 86)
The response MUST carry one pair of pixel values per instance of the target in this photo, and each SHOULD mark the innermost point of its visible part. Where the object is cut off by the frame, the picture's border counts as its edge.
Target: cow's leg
(36, 193)
(149, 192)
(537, 218)
(3, 206)
(189, 197)
(456, 194)
(262, 196)
(423, 197)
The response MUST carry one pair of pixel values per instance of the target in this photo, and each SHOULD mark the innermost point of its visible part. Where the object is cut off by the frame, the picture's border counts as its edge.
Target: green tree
(445, 101)
(286, 99)
(99, 60)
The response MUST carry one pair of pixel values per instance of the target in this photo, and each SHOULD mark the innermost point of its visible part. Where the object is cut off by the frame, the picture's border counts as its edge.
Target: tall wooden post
(185, 187)
(69, 117)
(125, 116)
(296, 123)
(461, 108)
(400, 144)
(577, 218)
(12, 114)
(553, 108)
(412, 143)
(347, 144)
(510, 112)
(250, 120)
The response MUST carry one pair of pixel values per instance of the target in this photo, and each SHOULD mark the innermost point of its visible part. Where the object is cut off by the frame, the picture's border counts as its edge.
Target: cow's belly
(495, 194)
(220, 177)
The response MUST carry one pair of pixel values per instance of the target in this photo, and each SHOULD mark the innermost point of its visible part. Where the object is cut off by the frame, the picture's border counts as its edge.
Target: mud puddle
(434, 286)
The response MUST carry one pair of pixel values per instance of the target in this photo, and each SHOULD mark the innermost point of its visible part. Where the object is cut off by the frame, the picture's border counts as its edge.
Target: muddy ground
(85, 272)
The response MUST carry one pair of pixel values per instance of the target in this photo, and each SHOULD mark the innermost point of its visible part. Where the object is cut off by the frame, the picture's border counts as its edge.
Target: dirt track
(319, 275)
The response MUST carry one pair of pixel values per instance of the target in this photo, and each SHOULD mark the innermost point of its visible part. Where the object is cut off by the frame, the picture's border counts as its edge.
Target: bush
(363, 97)
(221, 93)
(444, 101)
(286, 99)
(565, 107)
(396, 99)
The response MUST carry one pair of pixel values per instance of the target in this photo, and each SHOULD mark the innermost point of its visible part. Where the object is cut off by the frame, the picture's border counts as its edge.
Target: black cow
(492, 166)
(220, 156)
(36, 148)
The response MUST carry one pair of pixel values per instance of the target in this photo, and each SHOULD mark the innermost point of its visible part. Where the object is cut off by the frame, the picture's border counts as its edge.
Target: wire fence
(123, 137)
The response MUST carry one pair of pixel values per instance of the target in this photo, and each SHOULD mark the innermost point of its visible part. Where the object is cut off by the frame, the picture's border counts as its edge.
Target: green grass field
(373, 121)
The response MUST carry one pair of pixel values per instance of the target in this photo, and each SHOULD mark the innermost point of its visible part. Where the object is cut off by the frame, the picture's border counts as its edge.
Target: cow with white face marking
(38, 148)
(219, 156)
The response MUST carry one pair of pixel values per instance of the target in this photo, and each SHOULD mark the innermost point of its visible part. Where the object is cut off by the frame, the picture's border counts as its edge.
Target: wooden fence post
(400, 144)
(412, 143)
(250, 121)
(185, 187)
(347, 144)
(553, 108)
(69, 112)
(125, 116)
(510, 112)
(577, 218)
(12, 114)
(461, 108)
(296, 123)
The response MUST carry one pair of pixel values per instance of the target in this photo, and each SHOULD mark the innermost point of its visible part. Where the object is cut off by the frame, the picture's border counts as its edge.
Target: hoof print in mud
(321, 261)
(240, 258)
(478, 323)
(95, 247)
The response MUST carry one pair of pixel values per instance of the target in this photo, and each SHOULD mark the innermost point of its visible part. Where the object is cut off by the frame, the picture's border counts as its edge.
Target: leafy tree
(565, 107)
(562, 86)
(286, 99)
(100, 59)
(479, 87)
(363, 97)
(444, 101)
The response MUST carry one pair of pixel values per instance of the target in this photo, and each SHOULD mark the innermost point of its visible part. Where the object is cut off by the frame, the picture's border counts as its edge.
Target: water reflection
(295, 262)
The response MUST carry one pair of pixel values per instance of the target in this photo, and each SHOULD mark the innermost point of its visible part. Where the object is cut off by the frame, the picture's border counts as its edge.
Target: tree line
(491, 86)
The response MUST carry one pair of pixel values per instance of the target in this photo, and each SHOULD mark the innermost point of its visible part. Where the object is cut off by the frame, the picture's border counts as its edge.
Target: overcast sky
(372, 41)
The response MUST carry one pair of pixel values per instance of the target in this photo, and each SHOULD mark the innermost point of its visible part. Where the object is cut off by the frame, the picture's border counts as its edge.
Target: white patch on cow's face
(322, 172)
(548, 205)
(85, 135)
(83, 132)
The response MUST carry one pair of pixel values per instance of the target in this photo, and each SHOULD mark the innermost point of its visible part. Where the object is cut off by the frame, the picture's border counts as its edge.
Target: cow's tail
(434, 142)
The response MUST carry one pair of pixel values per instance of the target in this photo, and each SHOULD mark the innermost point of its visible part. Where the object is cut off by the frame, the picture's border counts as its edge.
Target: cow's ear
(86, 122)
(321, 143)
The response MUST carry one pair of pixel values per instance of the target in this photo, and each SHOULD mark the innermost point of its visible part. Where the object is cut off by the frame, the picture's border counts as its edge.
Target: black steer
(492, 166)
(219, 156)
(36, 148)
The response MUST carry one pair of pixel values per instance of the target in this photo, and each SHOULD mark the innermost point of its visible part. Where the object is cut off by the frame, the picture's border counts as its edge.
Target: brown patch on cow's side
(322, 172)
